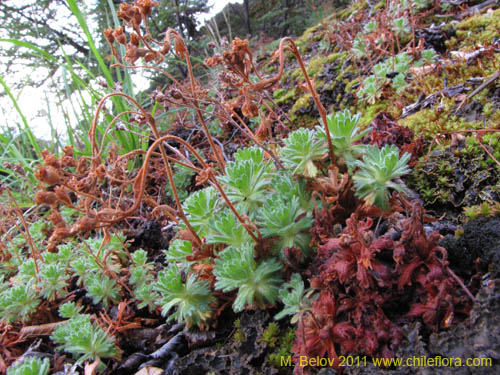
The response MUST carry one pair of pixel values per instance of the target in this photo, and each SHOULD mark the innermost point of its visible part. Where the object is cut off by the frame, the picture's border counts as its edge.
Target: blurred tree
(48, 24)
(181, 15)
(177, 14)
(274, 18)
(247, 17)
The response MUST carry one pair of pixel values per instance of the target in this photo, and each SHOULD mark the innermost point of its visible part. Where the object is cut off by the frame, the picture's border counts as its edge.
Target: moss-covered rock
(310, 35)
(284, 96)
(455, 177)
(302, 112)
(369, 112)
(477, 30)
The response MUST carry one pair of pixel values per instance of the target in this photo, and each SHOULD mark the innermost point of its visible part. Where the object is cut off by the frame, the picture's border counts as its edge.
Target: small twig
(481, 87)
(461, 283)
(488, 152)
(29, 239)
(312, 90)
(183, 53)
(105, 268)
(221, 149)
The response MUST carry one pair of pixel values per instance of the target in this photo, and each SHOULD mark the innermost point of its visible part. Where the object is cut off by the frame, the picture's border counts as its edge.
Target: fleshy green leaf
(192, 298)
(377, 170)
(301, 150)
(257, 284)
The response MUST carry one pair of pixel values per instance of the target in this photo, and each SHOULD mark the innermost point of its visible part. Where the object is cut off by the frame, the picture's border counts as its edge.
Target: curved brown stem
(132, 153)
(151, 122)
(140, 183)
(253, 138)
(110, 125)
(269, 82)
(269, 108)
(105, 268)
(235, 212)
(170, 176)
(34, 249)
(312, 90)
(302, 319)
(183, 53)
(461, 283)
(93, 127)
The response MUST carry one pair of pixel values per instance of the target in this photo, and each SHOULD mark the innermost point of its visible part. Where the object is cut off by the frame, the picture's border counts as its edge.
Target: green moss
(278, 93)
(302, 120)
(351, 83)
(460, 71)
(427, 84)
(270, 69)
(239, 335)
(492, 140)
(270, 334)
(358, 5)
(429, 123)
(422, 122)
(284, 347)
(296, 74)
(477, 29)
(483, 209)
(308, 36)
(448, 28)
(316, 65)
(368, 113)
(284, 97)
(457, 177)
(495, 117)
(303, 102)
(320, 85)
(339, 57)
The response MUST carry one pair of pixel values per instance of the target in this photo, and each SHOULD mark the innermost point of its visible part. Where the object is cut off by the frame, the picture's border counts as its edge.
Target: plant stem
(312, 90)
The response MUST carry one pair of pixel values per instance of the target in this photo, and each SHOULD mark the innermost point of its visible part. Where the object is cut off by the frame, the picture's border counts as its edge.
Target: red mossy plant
(351, 256)
(336, 193)
(370, 285)
(320, 332)
(420, 260)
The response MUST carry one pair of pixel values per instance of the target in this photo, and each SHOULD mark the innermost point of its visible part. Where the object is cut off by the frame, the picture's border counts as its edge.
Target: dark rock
(494, 97)
(149, 236)
(248, 356)
(472, 111)
(481, 239)
(132, 363)
(478, 337)
(434, 37)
